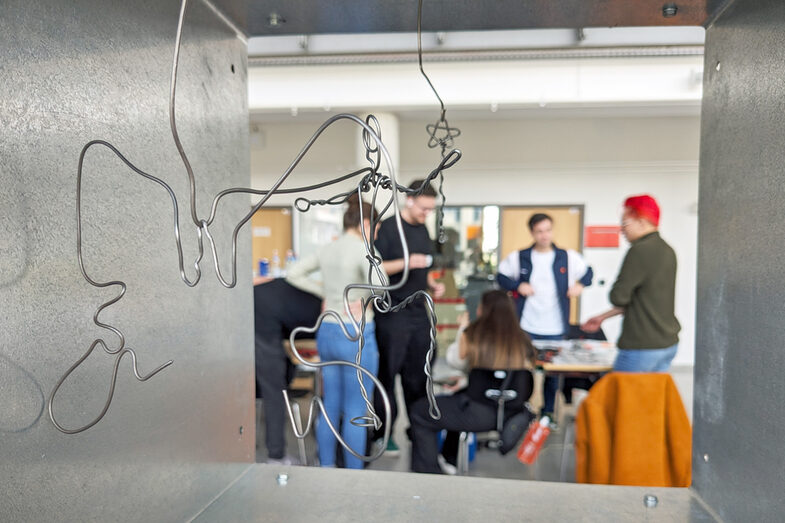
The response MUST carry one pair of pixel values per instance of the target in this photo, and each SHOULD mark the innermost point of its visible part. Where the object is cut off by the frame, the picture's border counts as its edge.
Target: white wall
(596, 162)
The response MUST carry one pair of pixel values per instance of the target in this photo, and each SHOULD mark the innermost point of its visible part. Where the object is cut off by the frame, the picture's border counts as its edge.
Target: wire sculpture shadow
(14, 416)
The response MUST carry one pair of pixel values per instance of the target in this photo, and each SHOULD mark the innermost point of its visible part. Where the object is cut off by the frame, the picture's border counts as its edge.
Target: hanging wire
(440, 134)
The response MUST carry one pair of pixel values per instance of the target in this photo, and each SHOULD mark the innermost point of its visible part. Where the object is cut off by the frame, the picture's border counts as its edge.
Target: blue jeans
(551, 385)
(342, 397)
(645, 360)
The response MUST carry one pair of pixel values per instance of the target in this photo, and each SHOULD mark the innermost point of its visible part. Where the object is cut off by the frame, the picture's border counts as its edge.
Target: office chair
(513, 387)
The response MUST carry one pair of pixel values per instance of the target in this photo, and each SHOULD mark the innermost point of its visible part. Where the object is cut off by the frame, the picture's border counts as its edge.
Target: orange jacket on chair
(632, 430)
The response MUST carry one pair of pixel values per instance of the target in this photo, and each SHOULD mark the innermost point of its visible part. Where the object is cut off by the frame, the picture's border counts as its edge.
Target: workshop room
(513, 259)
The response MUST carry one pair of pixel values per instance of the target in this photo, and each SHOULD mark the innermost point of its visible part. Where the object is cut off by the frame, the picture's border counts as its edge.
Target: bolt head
(669, 10)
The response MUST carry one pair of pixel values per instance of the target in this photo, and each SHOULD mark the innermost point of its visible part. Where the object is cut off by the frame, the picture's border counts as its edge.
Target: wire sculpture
(371, 181)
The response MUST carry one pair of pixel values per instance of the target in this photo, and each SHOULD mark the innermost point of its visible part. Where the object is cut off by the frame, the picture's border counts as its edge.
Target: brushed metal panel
(739, 360)
(313, 494)
(371, 16)
(71, 72)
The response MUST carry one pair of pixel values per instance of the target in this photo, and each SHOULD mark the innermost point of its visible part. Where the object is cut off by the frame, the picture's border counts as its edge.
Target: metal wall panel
(374, 495)
(740, 357)
(293, 17)
(71, 72)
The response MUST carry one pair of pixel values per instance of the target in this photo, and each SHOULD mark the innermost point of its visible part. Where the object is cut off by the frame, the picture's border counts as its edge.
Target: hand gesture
(575, 290)
(592, 324)
(418, 261)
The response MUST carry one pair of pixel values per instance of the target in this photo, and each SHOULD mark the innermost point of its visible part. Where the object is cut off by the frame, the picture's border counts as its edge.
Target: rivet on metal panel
(718, 66)
(706, 458)
(275, 20)
(282, 479)
(669, 10)
(650, 500)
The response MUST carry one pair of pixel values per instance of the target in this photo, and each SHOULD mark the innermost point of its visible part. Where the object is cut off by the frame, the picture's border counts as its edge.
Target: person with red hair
(644, 292)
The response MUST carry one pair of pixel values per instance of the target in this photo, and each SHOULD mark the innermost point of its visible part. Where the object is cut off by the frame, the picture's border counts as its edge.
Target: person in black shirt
(279, 307)
(403, 337)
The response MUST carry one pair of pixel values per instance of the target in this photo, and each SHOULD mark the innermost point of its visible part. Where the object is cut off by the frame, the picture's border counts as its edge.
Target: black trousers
(404, 339)
(459, 413)
(278, 308)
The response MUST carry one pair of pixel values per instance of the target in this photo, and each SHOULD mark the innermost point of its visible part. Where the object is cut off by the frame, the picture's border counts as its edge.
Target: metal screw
(669, 10)
(282, 479)
(706, 458)
(241, 430)
(650, 500)
(275, 20)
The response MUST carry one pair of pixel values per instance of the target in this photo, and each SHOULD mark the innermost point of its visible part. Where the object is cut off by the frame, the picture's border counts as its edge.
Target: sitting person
(493, 341)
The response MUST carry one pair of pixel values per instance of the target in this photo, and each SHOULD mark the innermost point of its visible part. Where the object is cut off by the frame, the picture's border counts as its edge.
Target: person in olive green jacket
(644, 292)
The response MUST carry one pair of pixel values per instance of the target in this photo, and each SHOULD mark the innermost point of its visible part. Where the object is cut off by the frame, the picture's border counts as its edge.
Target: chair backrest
(513, 387)
(632, 429)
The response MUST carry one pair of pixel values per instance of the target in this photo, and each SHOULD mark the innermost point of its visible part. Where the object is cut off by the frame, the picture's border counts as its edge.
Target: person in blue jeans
(342, 263)
(342, 396)
(543, 279)
(644, 292)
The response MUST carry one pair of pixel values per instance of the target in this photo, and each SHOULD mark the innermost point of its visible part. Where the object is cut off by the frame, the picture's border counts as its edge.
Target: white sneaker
(447, 468)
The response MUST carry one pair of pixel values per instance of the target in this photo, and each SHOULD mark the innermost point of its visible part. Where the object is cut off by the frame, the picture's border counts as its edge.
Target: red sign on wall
(602, 236)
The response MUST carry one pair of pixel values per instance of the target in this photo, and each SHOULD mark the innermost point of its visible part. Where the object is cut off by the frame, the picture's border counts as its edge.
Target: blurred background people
(404, 336)
(494, 341)
(644, 292)
(543, 278)
(343, 262)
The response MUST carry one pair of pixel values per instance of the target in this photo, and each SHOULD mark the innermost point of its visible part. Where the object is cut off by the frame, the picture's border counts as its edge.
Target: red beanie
(644, 206)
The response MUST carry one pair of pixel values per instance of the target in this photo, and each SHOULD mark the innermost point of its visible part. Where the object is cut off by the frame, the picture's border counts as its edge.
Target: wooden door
(567, 233)
(271, 230)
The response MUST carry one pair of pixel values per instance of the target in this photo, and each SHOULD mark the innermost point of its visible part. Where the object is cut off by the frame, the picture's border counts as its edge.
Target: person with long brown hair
(494, 341)
(342, 263)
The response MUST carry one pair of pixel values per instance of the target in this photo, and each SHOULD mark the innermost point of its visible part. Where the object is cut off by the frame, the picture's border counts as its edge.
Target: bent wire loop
(371, 181)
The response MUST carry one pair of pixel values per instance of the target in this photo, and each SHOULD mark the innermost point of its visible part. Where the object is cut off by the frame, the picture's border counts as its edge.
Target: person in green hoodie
(644, 292)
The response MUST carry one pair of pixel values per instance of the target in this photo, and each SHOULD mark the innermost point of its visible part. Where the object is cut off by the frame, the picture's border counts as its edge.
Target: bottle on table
(290, 260)
(275, 265)
(264, 267)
